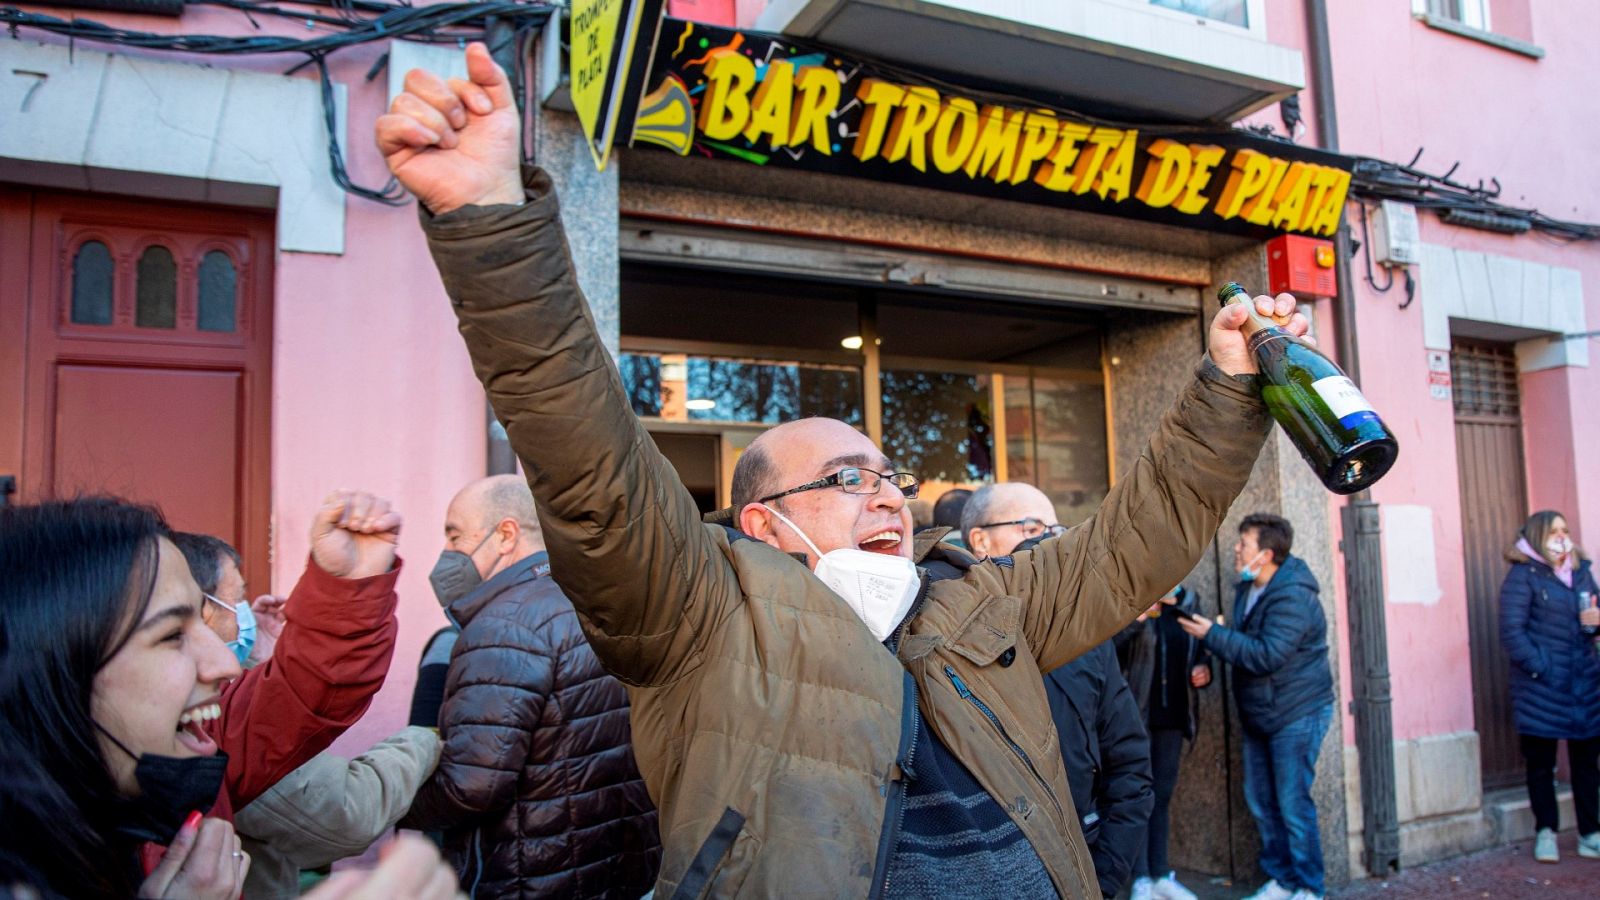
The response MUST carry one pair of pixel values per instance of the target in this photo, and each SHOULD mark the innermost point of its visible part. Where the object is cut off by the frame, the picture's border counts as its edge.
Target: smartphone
(1181, 612)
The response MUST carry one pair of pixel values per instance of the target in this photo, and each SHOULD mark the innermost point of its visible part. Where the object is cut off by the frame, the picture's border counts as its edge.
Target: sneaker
(1170, 888)
(1544, 847)
(1272, 890)
(1141, 889)
(1304, 894)
(1589, 846)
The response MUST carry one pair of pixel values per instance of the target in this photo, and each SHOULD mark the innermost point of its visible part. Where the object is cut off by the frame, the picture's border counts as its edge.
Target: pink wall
(1401, 86)
(1551, 422)
(372, 389)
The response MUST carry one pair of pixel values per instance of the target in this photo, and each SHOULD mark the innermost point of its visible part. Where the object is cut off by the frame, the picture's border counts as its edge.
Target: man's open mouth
(885, 542)
(191, 727)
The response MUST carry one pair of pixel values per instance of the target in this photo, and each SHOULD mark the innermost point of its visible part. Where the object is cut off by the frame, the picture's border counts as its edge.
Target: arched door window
(218, 292)
(156, 289)
(92, 271)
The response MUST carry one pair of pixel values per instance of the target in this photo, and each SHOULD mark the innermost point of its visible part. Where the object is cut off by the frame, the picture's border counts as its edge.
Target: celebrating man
(813, 714)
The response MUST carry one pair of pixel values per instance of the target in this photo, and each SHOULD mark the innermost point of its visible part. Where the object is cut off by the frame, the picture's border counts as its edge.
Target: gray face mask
(455, 574)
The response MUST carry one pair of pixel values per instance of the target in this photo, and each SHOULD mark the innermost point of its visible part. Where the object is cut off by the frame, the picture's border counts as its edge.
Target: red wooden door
(146, 336)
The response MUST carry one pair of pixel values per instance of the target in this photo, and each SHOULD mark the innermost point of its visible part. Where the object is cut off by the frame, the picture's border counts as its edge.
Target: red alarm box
(1302, 266)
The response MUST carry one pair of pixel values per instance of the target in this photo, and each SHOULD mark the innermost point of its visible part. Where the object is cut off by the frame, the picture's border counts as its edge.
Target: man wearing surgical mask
(1283, 687)
(537, 792)
(226, 609)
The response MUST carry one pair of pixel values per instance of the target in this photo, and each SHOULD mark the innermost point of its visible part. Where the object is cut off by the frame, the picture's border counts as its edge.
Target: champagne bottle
(1336, 430)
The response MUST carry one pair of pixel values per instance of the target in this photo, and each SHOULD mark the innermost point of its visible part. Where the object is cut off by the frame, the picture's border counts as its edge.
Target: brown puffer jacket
(536, 791)
(776, 733)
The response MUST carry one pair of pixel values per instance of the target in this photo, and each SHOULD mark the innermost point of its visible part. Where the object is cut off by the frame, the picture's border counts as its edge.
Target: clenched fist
(354, 535)
(455, 143)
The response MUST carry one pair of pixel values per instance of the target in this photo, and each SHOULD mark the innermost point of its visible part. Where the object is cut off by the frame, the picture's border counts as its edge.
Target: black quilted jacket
(536, 792)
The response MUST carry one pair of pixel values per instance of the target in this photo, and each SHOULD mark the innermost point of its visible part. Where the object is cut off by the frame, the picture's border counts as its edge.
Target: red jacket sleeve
(329, 662)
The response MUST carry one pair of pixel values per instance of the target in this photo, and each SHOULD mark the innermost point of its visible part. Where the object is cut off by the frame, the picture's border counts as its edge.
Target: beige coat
(331, 808)
(769, 723)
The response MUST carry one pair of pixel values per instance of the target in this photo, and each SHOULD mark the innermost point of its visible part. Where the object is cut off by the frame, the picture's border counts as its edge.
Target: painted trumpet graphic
(666, 117)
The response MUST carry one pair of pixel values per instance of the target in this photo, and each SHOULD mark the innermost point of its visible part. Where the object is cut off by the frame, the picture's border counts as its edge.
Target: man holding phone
(1283, 688)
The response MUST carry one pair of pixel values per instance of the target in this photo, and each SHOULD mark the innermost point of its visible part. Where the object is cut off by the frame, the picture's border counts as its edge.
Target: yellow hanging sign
(604, 33)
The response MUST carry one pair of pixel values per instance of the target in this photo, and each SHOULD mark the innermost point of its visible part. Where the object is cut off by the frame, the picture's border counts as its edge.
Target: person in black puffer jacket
(537, 792)
(1107, 756)
(1164, 667)
(1283, 688)
(1548, 623)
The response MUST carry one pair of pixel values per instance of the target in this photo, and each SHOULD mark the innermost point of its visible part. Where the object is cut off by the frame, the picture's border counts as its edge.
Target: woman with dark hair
(107, 674)
(1548, 623)
(115, 698)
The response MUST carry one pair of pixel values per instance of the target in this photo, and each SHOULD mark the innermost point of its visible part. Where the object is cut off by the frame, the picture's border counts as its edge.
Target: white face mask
(880, 589)
(1558, 545)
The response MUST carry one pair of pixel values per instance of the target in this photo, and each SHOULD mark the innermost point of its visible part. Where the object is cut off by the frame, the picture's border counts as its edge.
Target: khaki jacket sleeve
(1079, 589)
(625, 538)
(331, 808)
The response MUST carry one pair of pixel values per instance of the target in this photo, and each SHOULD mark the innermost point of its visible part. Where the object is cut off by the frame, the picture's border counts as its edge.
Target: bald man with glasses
(998, 517)
(816, 709)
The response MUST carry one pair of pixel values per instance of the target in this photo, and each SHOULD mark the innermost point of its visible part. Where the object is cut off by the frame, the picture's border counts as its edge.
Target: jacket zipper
(895, 813)
(967, 694)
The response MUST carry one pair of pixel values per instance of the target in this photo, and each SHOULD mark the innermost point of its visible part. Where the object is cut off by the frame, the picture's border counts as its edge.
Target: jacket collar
(520, 572)
(1291, 571)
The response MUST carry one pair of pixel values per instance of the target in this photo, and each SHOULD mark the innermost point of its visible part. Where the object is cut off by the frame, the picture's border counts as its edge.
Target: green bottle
(1322, 411)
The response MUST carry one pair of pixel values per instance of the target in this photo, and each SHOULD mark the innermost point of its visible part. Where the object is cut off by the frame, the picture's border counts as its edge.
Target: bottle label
(1344, 400)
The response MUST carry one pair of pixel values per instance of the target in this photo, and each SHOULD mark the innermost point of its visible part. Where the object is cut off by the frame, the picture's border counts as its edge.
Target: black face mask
(170, 787)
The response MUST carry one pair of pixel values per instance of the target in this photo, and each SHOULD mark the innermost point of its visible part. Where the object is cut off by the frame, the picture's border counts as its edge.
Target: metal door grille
(1484, 380)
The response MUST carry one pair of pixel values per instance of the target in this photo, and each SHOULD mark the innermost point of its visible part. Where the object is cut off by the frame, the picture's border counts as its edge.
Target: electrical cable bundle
(1473, 206)
(357, 22)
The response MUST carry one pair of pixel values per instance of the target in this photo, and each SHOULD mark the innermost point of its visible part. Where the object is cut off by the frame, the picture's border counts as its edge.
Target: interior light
(700, 404)
(853, 342)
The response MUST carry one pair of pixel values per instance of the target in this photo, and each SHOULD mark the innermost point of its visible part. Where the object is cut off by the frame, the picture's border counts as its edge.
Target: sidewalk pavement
(1501, 873)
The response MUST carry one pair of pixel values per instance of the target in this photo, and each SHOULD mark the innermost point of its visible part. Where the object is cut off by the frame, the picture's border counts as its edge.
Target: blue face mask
(1247, 574)
(246, 641)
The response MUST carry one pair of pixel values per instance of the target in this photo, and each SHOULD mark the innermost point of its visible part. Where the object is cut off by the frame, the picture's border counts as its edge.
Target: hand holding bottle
(1330, 421)
(1229, 345)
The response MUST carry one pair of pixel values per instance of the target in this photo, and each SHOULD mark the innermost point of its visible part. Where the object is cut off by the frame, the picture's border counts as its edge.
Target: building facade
(196, 312)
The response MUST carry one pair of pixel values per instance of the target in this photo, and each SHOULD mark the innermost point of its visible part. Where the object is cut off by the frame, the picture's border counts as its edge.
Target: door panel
(1493, 508)
(16, 208)
(167, 437)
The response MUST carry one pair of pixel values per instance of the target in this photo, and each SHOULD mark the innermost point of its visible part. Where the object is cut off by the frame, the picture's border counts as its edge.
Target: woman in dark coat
(1548, 624)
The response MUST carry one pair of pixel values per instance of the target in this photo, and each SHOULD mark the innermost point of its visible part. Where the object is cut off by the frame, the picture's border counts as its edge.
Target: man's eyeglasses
(1031, 527)
(853, 480)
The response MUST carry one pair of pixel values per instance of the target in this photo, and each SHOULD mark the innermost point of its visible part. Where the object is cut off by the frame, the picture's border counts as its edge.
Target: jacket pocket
(993, 628)
(703, 868)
